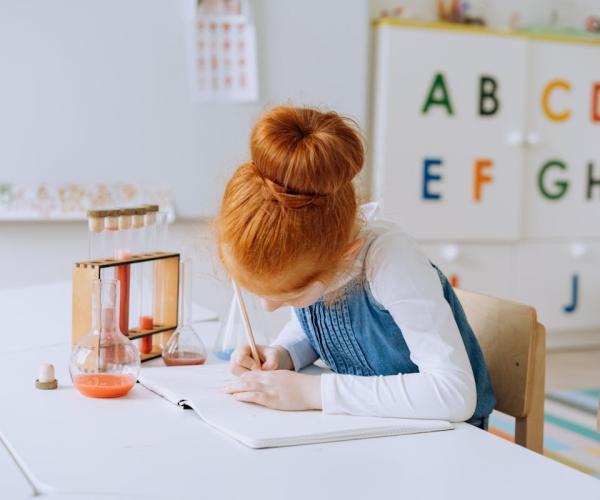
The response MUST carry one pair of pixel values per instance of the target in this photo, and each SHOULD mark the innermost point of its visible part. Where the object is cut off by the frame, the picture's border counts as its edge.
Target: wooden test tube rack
(166, 275)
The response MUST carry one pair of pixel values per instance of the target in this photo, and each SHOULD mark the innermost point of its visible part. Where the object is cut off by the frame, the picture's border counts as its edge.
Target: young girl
(365, 299)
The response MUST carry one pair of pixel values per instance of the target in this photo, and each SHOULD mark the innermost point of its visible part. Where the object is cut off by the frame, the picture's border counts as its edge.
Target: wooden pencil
(247, 327)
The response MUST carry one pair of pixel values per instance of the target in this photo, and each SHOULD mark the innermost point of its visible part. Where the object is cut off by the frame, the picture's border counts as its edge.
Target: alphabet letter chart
(486, 149)
(563, 168)
(445, 107)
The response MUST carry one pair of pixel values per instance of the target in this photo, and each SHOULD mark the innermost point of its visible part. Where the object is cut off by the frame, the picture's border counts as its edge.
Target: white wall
(99, 90)
(44, 252)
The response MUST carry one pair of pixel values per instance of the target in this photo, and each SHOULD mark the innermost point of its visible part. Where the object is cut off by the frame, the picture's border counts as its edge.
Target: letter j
(570, 308)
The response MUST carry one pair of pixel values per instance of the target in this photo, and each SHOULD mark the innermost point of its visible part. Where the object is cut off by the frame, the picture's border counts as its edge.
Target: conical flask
(232, 332)
(185, 346)
(104, 363)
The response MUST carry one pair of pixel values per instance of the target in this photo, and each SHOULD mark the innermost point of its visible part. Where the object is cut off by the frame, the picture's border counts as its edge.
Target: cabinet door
(564, 137)
(562, 281)
(485, 269)
(433, 147)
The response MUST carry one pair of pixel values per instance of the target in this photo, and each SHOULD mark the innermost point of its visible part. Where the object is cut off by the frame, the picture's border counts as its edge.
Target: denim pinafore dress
(355, 335)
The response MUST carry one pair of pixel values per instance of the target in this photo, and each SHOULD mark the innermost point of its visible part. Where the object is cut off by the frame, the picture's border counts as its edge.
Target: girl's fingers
(237, 370)
(248, 363)
(271, 361)
(243, 385)
(241, 357)
(251, 397)
(240, 353)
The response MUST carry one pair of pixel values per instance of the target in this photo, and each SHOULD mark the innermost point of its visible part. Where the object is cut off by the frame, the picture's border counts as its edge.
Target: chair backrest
(514, 347)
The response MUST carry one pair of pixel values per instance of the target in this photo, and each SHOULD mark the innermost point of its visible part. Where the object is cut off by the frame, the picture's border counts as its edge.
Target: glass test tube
(96, 234)
(123, 271)
(162, 243)
(137, 248)
(150, 219)
(147, 291)
(111, 228)
(162, 231)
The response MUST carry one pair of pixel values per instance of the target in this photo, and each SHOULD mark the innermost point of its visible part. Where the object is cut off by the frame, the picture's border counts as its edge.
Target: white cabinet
(486, 148)
(564, 123)
(481, 268)
(562, 280)
(448, 116)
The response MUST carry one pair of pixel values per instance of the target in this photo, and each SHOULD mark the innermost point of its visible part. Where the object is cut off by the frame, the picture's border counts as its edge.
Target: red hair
(288, 215)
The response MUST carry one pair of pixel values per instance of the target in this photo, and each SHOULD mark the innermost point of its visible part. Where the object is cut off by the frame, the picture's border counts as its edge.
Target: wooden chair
(514, 347)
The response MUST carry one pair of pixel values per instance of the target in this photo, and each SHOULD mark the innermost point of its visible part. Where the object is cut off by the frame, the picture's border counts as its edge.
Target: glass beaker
(232, 332)
(185, 346)
(104, 363)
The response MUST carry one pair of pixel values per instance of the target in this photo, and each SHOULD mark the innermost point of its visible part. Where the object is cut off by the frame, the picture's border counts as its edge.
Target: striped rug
(570, 435)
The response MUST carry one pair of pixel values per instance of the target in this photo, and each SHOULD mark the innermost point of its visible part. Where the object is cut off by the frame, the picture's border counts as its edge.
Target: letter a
(433, 99)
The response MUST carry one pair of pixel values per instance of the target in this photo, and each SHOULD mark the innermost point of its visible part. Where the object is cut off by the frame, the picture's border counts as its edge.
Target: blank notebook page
(201, 388)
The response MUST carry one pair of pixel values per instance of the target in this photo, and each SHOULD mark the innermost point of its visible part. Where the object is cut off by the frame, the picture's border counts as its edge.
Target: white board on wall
(406, 136)
(98, 90)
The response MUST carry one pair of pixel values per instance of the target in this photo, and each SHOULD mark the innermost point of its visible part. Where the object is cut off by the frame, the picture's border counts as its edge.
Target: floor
(577, 369)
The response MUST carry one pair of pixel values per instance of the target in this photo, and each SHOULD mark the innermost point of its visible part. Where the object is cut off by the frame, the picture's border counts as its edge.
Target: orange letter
(480, 176)
(596, 102)
(557, 117)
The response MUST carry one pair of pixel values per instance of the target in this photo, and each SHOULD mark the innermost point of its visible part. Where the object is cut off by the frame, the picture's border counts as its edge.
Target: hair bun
(306, 151)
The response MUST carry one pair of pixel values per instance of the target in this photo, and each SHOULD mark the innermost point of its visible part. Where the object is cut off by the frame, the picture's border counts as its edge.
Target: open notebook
(201, 389)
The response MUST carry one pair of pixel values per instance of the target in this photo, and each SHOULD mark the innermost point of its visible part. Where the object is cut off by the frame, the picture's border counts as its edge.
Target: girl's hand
(271, 358)
(280, 390)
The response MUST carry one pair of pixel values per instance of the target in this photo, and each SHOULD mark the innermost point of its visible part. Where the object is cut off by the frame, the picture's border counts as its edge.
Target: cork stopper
(124, 219)
(137, 220)
(150, 217)
(96, 220)
(46, 379)
(111, 220)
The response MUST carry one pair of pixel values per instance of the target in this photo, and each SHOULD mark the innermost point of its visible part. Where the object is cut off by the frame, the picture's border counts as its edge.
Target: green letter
(487, 93)
(562, 185)
(443, 99)
(591, 181)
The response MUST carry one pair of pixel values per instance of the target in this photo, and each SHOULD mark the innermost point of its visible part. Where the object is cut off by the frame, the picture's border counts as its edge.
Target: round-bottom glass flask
(104, 363)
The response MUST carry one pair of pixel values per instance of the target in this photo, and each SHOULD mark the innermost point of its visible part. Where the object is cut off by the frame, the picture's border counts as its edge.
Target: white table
(142, 445)
(13, 482)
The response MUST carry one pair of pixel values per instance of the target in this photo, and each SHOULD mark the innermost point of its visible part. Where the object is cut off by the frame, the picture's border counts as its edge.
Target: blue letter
(428, 177)
(570, 309)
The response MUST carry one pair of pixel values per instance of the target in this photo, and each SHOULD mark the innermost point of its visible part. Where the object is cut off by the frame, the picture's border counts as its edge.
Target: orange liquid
(184, 359)
(103, 385)
(146, 323)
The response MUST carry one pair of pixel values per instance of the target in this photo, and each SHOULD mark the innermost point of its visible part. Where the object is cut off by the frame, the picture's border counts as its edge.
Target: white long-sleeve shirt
(403, 281)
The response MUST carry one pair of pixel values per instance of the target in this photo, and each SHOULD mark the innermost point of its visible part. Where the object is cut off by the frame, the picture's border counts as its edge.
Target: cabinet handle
(578, 250)
(516, 139)
(533, 139)
(450, 253)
